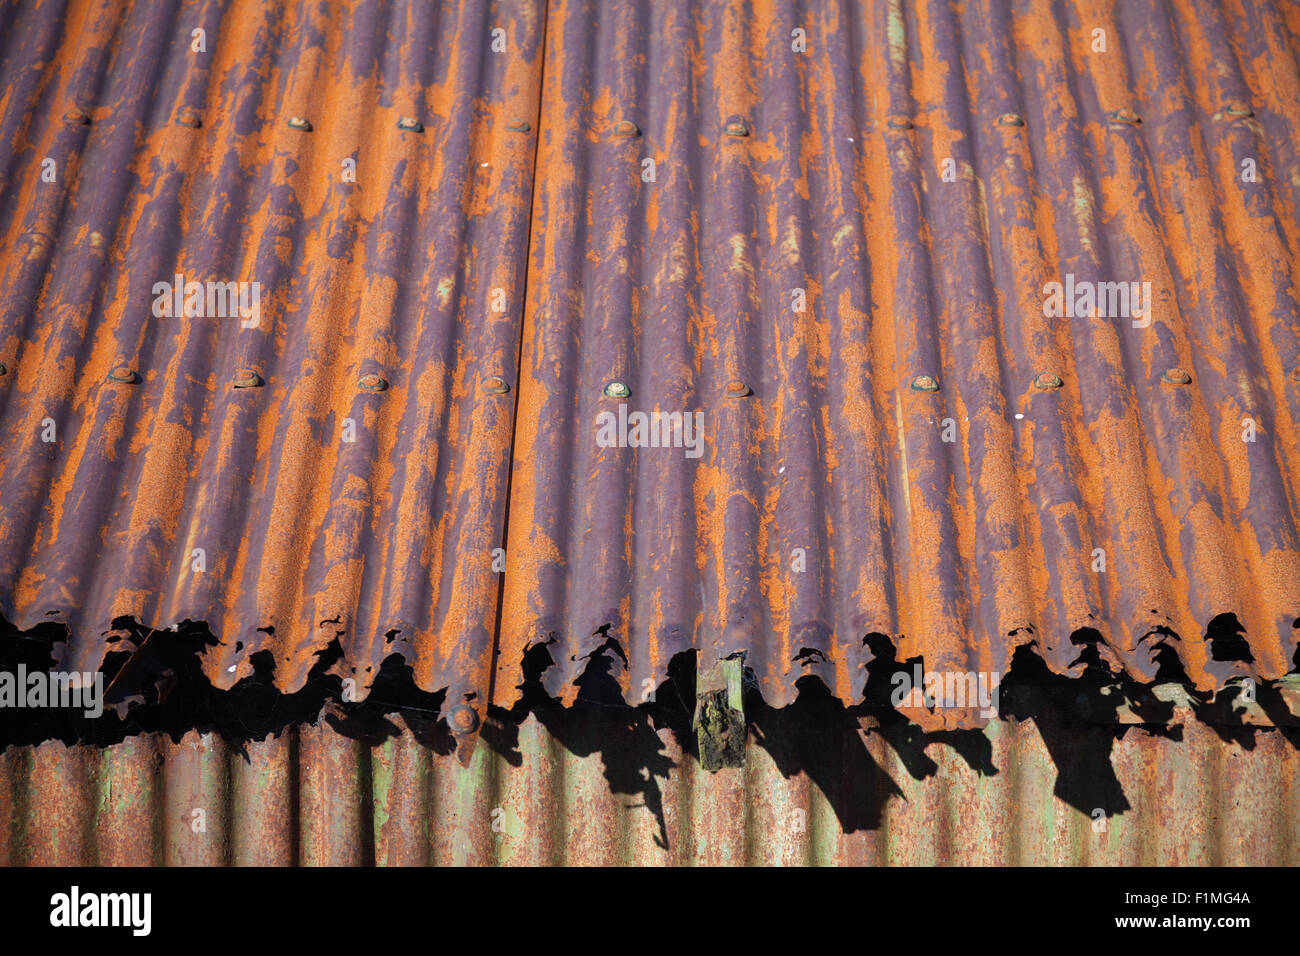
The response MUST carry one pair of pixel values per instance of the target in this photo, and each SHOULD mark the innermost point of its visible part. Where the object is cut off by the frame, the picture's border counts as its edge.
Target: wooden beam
(720, 714)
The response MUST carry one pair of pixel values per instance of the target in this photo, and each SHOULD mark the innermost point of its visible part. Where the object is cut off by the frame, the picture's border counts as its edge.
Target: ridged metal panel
(386, 539)
(317, 798)
(962, 550)
(957, 551)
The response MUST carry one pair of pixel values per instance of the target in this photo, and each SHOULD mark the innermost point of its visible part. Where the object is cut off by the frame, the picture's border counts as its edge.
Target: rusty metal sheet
(318, 503)
(315, 797)
(838, 256)
(826, 503)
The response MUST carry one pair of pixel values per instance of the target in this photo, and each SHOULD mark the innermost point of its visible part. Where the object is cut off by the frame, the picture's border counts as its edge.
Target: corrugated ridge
(317, 798)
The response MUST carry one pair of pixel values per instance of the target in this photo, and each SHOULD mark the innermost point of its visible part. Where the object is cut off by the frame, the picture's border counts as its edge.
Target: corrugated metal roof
(962, 549)
(303, 533)
(798, 262)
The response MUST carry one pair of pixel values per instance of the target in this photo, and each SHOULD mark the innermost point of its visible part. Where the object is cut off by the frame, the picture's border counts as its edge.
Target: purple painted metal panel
(811, 211)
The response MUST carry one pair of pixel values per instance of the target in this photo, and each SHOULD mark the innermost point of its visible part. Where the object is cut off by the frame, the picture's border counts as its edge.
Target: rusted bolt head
(738, 389)
(626, 128)
(410, 124)
(1175, 376)
(297, 122)
(1047, 380)
(925, 383)
(1011, 119)
(77, 116)
(247, 378)
(1238, 108)
(122, 375)
(37, 244)
(372, 383)
(736, 128)
(899, 122)
(495, 385)
(617, 390)
(463, 719)
(1125, 117)
(518, 126)
(189, 118)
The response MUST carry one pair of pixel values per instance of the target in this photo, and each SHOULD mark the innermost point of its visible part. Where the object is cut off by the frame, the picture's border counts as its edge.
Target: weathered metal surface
(960, 550)
(315, 797)
(517, 251)
(317, 504)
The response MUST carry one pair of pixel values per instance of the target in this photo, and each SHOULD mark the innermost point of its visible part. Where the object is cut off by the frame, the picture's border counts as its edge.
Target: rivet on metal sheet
(1175, 376)
(77, 117)
(463, 719)
(736, 128)
(297, 122)
(122, 375)
(1046, 380)
(518, 126)
(247, 378)
(925, 383)
(495, 385)
(626, 128)
(1238, 108)
(1011, 119)
(189, 118)
(37, 244)
(1125, 117)
(738, 389)
(410, 124)
(900, 122)
(617, 390)
(372, 383)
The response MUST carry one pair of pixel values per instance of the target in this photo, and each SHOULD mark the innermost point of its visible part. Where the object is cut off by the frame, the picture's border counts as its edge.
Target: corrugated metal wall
(315, 797)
